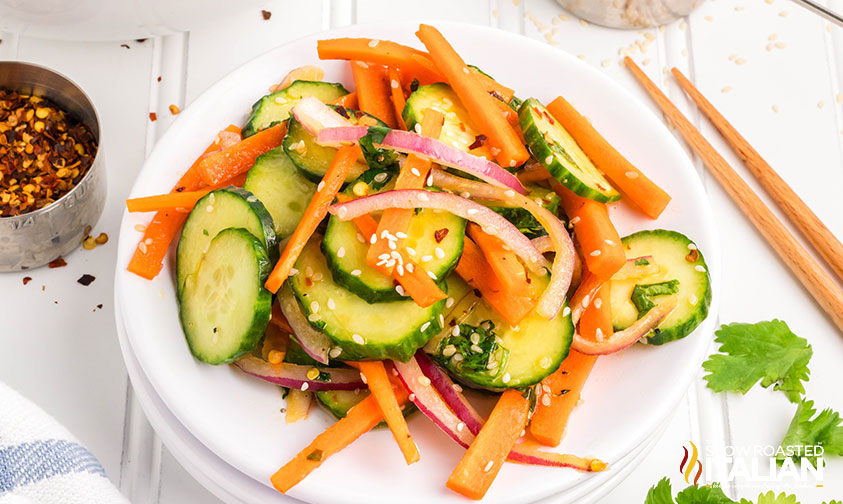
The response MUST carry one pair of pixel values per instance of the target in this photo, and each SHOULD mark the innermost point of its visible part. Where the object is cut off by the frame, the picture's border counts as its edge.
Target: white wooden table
(769, 66)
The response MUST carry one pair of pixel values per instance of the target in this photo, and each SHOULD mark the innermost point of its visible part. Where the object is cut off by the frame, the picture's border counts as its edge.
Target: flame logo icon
(686, 467)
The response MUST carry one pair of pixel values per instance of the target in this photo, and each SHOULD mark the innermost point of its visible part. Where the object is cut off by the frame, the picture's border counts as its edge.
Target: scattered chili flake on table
(58, 262)
(153, 116)
(44, 153)
(266, 15)
(86, 279)
(26, 280)
(174, 109)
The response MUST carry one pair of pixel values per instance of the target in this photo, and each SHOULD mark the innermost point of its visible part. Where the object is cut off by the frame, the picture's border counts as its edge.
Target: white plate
(238, 418)
(234, 487)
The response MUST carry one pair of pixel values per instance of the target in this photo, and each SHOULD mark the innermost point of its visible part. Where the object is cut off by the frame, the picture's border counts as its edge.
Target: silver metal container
(36, 238)
(630, 14)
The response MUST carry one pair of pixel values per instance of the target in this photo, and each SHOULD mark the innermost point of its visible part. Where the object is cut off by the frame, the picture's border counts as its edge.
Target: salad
(376, 251)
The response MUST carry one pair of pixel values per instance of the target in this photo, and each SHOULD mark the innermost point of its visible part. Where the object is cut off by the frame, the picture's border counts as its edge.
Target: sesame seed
(358, 339)
(373, 239)
(418, 128)
(489, 466)
(356, 272)
(465, 194)
(598, 303)
(424, 327)
(726, 89)
(509, 192)
(341, 252)
(209, 208)
(362, 64)
(363, 378)
(427, 258)
(546, 400)
(566, 311)
(415, 171)
(441, 320)
(471, 211)
(512, 163)
(692, 300)
(390, 263)
(548, 160)
(466, 70)
(410, 251)
(380, 177)
(545, 362)
(391, 245)
(609, 242)
(449, 302)
(331, 304)
(320, 186)
(476, 349)
(400, 270)
(439, 252)
(423, 381)
(505, 378)
(335, 352)
(314, 307)
(400, 290)
(410, 267)
(360, 238)
(598, 334)
(700, 268)
(401, 235)
(449, 351)
(140, 228)
(575, 220)
(430, 180)
(475, 338)
(142, 247)
(304, 386)
(373, 43)
(585, 301)
(423, 197)
(594, 253)
(317, 277)
(395, 84)
(455, 331)
(460, 426)
(631, 175)
(412, 397)
(293, 271)
(342, 211)
(314, 317)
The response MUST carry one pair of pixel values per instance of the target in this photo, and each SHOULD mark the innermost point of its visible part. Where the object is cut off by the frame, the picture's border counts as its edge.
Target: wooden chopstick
(822, 239)
(818, 283)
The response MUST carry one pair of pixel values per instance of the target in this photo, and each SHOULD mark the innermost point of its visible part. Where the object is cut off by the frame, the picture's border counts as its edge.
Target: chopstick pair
(812, 276)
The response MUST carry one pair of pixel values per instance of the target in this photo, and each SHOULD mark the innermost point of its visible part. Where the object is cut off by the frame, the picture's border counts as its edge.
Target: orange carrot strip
(479, 103)
(381, 389)
(396, 88)
(601, 246)
(237, 159)
(587, 289)
(503, 261)
(278, 319)
(596, 321)
(359, 420)
(373, 91)
(550, 417)
(412, 176)
(184, 200)
(649, 197)
(316, 210)
(475, 270)
(347, 101)
(148, 259)
(484, 458)
(533, 176)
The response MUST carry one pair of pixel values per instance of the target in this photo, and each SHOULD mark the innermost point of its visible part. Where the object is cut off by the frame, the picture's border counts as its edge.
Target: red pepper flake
(342, 111)
(159, 78)
(308, 282)
(497, 95)
(692, 256)
(180, 188)
(479, 140)
(125, 46)
(153, 116)
(86, 279)
(440, 234)
(58, 262)
(266, 15)
(26, 280)
(478, 293)
(174, 109)
(99, 306)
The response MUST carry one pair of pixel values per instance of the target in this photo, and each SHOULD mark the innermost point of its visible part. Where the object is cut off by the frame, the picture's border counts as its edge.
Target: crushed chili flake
(266, 15)
(125, 46)
(174, 109)
(26, 280)
(99, 306)
(479, 140)
(692, 256)
(140, 40)
(86, 279)
(159, 78)
(478, 293)
(58, 262)
(153, 116)
(44, 153)
(440, 234)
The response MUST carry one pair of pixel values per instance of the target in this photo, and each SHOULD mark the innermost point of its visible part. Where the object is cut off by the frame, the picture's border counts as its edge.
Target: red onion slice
(315, 116)
(528, 453)
(315, 343)
(428, 401)
(450, 393)
(490, 221)
(623, 339)
(295, 376)
(553, 298)
(440, 152)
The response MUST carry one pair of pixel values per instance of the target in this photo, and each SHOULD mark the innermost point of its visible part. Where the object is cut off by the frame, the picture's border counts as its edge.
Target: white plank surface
(784, 98)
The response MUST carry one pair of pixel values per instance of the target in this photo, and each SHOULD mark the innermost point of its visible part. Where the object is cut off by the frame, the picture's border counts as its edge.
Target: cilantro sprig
(806, 429)
(661, 493)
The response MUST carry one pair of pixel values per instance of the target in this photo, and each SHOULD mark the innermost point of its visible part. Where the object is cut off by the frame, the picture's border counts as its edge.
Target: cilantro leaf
(824, 430)
(378, 159)
(772, 498)
(702, 495)
(766, 351)
(660, 493)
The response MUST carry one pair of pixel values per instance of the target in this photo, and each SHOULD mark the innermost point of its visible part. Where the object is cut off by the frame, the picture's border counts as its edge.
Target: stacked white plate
(226, 428)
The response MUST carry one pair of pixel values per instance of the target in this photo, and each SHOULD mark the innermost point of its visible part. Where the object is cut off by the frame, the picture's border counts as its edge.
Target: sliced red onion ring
(528, 452)
(295, 376)
(450, 393)
(315, 343)
(440, 152)
(543, 244)
(623, 339)
(633, 271)
(490, 221)
(315, 116)
(428, 401)
(553, 298)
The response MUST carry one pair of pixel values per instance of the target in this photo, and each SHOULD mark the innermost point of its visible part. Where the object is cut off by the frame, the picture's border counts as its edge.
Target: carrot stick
(347, 101)
(381, 389)
(397, 93)
(596, 321)
(412, 176)
(601, 246)
(587, 289)
(373, 91)
(237, 159)
(185, 200)
(475, 270)
(649, 197)
(510, 151)
(148, 259)
(314, 213)
(533, 176)
(551, 415)
(484, 458)
(359, 420)
(503, 261)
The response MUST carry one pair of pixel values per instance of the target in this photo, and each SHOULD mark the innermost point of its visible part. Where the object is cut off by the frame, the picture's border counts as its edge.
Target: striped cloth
(41, 462)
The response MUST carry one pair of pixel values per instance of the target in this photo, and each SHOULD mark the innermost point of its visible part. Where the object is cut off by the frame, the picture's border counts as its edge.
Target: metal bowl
(36, 238)
(630, 14)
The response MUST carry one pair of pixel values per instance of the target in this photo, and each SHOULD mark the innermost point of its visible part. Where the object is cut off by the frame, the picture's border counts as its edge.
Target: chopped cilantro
(642, 294)
(661, 493)
(479, 348)
(806, 429)
(378, 159)
(642, 262)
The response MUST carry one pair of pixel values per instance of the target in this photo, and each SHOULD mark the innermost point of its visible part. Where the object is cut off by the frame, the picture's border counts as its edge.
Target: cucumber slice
(224, 308)
(390, 330)
(557, 151)
(346, 253)
(218, 210)
(313, 159)
(458, 130)
(523, 219)
(283, 190)
(275, 107)
(524, 354)
(678, 259)
(338, 402)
